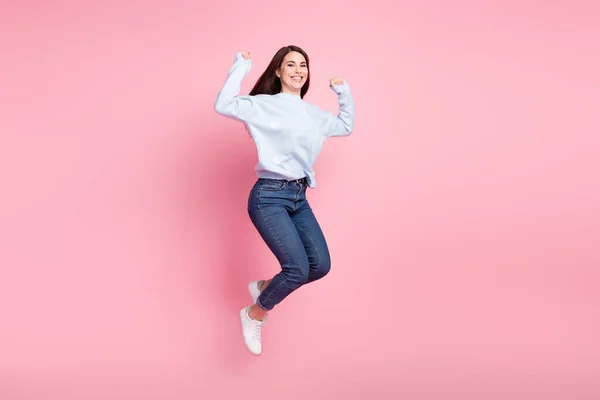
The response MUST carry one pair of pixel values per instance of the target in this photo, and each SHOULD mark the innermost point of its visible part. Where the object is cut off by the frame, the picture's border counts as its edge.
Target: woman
(289, 134)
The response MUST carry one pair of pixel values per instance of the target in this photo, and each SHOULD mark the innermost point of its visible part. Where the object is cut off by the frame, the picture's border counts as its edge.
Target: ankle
(263, 285)
(257, 313)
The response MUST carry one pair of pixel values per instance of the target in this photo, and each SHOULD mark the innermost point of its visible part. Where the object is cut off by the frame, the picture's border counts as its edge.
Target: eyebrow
(302, 62)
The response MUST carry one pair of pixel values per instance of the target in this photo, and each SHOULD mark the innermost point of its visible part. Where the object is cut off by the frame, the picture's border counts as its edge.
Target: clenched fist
(336, 81)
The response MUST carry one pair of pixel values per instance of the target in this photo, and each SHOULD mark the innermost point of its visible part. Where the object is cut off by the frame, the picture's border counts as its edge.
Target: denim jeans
(280, 212)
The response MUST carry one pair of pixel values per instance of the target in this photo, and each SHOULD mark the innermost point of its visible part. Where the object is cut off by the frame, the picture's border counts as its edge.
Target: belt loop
(300, 181)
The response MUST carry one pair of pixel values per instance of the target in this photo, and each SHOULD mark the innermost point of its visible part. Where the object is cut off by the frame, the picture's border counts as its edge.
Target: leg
(269, 206)
(319, 260)
(274, 224)
(315, 245)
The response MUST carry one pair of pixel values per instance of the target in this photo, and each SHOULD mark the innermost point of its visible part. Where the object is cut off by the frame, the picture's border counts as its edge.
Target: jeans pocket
(273, 186)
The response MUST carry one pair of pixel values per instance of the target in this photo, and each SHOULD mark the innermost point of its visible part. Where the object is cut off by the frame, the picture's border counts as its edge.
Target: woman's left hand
(336, 81)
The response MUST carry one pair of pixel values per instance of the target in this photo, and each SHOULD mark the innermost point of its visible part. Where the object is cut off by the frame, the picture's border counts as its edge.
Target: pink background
(462, 215)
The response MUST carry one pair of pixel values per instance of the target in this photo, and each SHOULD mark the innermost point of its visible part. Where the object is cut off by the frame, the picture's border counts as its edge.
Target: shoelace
(256, 332)
(256, 329)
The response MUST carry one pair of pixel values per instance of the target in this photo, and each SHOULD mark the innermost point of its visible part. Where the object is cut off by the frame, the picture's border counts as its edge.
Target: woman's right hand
(247, 55)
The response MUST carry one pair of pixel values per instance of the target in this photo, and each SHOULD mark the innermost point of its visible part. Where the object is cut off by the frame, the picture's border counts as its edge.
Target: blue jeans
(281, 214)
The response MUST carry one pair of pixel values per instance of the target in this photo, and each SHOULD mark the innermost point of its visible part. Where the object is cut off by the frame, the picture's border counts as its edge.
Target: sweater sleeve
(228, 102)
(343, 123)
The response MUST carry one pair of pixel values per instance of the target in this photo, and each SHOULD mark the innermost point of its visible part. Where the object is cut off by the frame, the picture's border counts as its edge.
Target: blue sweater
(289, 133)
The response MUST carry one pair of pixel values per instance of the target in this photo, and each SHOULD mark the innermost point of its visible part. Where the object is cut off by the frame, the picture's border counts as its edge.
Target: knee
(297, 274)
(323, 268)
(303, 276)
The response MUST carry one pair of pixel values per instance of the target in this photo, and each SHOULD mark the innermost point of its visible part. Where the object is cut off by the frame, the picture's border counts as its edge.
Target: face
(293, 72)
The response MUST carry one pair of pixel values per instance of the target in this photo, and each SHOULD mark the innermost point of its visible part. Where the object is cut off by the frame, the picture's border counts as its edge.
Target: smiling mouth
(297, 78)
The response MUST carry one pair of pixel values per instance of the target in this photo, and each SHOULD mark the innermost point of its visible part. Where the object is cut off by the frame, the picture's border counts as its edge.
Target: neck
(294, 92)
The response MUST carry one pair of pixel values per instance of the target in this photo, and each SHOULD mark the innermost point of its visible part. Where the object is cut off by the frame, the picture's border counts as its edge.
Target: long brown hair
(269, 83)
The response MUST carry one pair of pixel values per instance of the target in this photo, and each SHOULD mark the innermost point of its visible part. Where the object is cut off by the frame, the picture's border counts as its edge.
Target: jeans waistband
(303, 180)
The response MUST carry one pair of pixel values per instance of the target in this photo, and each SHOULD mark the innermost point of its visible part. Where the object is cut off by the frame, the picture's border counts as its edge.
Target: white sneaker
(251, 331)
(254, 289)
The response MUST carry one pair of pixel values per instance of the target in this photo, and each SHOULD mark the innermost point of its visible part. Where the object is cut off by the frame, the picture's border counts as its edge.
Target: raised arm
(228, 102)
(343, 123)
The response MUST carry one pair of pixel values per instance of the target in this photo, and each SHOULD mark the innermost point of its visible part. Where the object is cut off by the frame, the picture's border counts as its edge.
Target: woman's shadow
(218, 174)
